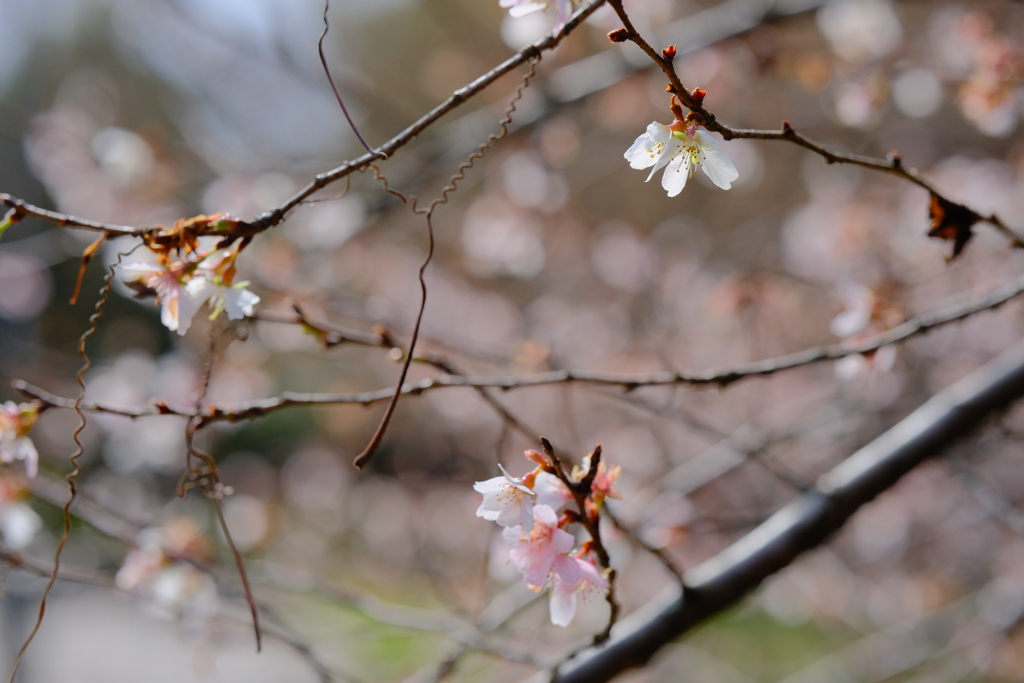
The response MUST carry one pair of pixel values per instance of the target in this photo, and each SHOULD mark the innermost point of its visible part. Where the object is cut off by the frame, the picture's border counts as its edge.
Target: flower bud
(619, 35)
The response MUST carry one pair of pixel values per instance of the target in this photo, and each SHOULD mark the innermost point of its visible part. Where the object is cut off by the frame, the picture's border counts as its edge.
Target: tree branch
(811, 519)
(721, 376)
(694, 102)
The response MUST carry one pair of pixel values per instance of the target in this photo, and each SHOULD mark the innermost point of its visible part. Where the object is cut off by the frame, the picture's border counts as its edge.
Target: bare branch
(717, 376)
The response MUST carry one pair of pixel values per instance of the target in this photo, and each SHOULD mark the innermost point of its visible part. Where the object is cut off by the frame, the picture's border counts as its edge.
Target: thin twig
(892, 165)
(914, 327)
(334, 87)
(104, 297)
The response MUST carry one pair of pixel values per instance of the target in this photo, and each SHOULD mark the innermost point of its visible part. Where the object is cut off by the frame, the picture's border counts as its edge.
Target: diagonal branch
(694, 102)
(811, 519)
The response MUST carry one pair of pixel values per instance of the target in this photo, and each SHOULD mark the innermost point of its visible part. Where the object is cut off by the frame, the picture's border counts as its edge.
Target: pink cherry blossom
(562, 605)
(176, 306)
(543, 549)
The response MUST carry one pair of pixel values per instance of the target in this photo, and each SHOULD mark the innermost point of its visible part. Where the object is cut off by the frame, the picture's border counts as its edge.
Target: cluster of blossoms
(867, 314)
(541, 548)
(16, 421)
(19, 523)
(680, 148)
(159, 570)
(182, 287)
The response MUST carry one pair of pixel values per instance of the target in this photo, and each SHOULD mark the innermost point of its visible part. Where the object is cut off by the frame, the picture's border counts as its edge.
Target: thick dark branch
(720, 377)
(811, 519)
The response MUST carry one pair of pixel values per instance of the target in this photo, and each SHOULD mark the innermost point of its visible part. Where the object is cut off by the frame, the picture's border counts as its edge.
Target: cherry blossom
(604, 482)
(543, 550)
(551, 491)
(518, 8)
(860, 307)
(867, 313)
(15, 422)
(214, 283)
(562, 604)
(157, 569)
(680, 148)
(176, 306)
(507, 501)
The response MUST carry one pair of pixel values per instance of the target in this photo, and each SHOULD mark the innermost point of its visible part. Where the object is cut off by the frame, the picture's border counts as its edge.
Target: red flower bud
(698, 95)
(669, 53)
(619, 35)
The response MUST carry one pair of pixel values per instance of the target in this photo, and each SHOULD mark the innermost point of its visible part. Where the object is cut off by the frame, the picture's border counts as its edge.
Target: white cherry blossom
(507, 501)
(518, 8)
(214, 282)
(237, 301)
(680, 149)
(550, 491)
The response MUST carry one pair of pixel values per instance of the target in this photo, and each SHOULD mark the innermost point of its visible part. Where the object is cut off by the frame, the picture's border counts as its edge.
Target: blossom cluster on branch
(181, 287)
(531, 511)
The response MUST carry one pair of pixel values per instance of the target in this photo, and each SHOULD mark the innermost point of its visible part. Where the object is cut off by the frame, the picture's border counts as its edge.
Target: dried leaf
(951, 221)
(87, 255)
(185, 233)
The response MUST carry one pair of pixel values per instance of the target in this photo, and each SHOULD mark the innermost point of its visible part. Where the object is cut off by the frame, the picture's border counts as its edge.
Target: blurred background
(552, 254)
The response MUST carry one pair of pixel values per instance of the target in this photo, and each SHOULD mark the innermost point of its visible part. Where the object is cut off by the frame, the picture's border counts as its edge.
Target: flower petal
(239, 302)
(676, 173)
(562, 605)
(568, 570)
(706, 140)
(718, 167)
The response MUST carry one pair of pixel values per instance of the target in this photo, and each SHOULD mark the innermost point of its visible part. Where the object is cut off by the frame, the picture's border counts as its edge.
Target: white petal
(562, 605)
(564, 12)
(718, 167)
(659, 132)
(200, 289)
(706, 140)
(513, 534)
(850, 322)
(884, 359)
(641, 154)
(545, 516)
(851, 367)
(239, 302)
(27, 452)
(523, 8)
(676, 173)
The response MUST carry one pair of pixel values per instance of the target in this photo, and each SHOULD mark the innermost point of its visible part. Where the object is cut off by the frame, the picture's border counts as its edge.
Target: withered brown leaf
(951, 221)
